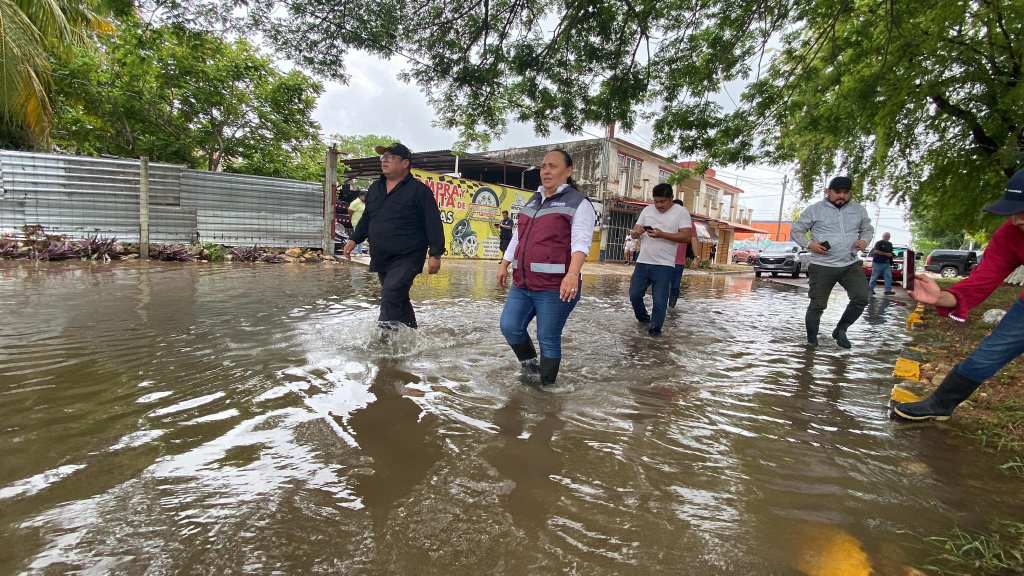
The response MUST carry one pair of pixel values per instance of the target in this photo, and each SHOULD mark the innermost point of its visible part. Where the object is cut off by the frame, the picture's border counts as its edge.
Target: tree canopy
(186, 96)
(919, 100)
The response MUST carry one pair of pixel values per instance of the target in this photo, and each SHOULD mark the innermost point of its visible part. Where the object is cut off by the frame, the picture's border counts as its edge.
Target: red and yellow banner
(471, 211)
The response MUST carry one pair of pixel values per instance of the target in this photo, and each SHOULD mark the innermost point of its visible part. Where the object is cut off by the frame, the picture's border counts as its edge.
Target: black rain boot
(527, 356)
(549, 370)
(850, 316)
(812, 320)
(940, 405)
(840, 336)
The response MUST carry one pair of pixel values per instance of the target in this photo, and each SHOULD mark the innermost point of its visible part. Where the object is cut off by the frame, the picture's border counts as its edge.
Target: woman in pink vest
(547, 253)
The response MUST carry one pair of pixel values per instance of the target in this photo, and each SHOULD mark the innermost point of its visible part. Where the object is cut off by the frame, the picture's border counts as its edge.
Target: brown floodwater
(243, 419)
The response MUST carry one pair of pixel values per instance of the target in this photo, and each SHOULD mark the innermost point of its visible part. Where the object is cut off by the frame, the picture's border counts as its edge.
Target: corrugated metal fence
(79, 196)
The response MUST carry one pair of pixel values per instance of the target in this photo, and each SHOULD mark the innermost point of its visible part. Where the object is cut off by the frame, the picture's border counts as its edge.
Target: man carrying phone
(1005, 252)
(834, 230)
(666, 225)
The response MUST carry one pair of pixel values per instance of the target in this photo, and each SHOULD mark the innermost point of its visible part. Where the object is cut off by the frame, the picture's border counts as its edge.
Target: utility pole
(778, 227)
(330, 190)
(144, 208)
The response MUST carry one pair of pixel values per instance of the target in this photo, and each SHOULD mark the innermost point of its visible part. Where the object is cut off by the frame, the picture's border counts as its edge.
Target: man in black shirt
(402, 221)
(505, 231)
(881, 264)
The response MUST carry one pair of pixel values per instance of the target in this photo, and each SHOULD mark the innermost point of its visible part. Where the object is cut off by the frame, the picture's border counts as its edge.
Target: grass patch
(1014, 466)
(213, 252)
(1000, 552)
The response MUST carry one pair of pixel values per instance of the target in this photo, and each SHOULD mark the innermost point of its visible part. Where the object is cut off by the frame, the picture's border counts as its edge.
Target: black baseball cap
(1012, 201)
(841, 183)
(396, 148)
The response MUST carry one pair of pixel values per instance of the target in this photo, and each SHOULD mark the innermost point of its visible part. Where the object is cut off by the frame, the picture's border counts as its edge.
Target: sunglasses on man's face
(390, 158)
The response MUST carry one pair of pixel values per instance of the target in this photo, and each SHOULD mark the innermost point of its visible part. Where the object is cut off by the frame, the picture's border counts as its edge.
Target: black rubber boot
(812, 320)
(549, 370)
(840, 335)
(527, 356)
(850, 316)
(940, 405)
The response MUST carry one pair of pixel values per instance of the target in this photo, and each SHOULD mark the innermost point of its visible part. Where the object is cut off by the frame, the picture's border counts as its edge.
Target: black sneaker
(646, 320)
(890, 293)
(812, 340)
(654, 332)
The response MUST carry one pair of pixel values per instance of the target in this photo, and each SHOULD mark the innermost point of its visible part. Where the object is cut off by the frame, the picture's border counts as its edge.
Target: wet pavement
(236, 419)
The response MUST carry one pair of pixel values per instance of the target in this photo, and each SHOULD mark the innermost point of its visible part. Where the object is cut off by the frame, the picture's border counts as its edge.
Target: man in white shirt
(666, 225)
(628, 247)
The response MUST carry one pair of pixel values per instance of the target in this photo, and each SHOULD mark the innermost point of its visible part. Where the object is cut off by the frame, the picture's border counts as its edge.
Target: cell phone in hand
(908, 270)
(648, 228)
(825, 245)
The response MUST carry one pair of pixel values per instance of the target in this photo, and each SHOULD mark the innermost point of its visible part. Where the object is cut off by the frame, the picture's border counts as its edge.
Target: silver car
(782, 257)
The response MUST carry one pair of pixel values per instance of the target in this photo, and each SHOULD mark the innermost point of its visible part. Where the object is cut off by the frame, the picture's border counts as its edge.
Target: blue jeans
(999, 348)
(659, 278)
(677, 281)
(523, 305)
(883, 269)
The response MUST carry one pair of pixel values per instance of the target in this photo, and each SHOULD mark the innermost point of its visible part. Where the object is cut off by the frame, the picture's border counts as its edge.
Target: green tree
(305, 162)
(360, 145)
(185, 96)
(920, 100)
(31, 33)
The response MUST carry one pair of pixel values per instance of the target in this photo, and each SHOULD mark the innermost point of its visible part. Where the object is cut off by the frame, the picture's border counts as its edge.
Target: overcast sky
(376, 102)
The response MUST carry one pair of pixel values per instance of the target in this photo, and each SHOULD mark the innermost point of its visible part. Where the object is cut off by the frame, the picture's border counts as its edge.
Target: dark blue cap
(1012, 201)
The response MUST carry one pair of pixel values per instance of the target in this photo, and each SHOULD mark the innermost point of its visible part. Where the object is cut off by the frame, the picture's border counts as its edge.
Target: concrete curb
(907, 369)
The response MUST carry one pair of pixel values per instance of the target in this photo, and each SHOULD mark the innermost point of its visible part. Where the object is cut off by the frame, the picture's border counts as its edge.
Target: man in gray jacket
(838, 229)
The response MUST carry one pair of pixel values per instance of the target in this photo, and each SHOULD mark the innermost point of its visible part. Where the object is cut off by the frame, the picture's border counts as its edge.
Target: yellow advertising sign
(471, 211)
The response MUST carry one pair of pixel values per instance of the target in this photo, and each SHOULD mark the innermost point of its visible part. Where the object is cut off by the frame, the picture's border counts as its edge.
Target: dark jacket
(401, 223)
(545, 240)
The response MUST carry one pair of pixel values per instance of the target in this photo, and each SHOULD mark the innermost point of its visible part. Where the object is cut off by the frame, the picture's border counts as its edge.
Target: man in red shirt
(1002, 256)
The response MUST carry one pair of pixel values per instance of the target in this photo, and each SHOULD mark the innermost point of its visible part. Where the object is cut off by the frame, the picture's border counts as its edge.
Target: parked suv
(785, 257)
(951, 263)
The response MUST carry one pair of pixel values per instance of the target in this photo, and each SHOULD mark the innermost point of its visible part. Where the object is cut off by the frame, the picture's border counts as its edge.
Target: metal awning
(470, 166)
(701, 228)
(743, 227)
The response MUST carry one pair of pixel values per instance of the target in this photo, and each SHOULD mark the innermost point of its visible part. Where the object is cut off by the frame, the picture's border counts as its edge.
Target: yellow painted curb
(907, 369)
(915, 315)
(902, 395)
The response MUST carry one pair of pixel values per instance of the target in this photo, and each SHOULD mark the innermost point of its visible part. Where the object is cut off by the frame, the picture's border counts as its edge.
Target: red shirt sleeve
(1002, 256)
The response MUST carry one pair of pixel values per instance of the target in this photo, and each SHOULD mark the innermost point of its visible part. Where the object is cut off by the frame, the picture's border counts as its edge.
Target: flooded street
(235, 419)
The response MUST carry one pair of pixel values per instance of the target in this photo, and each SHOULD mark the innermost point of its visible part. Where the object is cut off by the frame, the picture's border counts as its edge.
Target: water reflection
(396, 434)
(239, 419)
(527, 458)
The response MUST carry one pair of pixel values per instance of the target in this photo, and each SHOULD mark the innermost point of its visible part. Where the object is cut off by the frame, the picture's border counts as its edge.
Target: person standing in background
(881, 264)
(628, 248)
(355, 210)
(505, 230)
